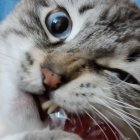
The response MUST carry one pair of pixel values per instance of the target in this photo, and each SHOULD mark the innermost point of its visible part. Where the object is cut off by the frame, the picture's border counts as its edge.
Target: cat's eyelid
(42, 12)
(76, 21)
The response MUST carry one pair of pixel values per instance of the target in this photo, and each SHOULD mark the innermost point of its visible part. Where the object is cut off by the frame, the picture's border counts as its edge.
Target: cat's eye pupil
(59, 25)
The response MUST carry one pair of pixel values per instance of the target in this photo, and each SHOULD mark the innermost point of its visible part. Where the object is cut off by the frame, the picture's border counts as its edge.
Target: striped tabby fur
(100, 60)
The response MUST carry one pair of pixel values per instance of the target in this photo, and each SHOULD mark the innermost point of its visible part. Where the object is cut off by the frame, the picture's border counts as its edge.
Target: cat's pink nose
(50, 79)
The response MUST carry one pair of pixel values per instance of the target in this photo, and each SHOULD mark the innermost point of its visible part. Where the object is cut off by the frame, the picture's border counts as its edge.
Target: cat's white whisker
(125, 112)
(97, 125)
(79, 119)
(132, 121)
(126, 105)
(120, 133)
(105, 121)
(136, 123)
(124, 119)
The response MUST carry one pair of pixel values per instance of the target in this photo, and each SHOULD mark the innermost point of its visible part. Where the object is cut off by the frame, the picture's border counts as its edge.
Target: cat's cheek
(23, 112)
(32, 82)
(78, 96)
(30, 76)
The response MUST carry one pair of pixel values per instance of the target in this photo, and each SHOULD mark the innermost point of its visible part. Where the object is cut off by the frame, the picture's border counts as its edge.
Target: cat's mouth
(83, 125)
(45, 105)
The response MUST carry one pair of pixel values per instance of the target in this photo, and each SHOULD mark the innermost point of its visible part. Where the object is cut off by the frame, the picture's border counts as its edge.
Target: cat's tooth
(52, 108)
(47, 105)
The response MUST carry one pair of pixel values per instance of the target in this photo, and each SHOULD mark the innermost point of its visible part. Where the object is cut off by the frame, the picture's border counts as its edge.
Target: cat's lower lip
(39, 100)
(83, 125)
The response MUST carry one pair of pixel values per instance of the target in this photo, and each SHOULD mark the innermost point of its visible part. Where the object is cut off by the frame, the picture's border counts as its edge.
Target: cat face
(93, 45)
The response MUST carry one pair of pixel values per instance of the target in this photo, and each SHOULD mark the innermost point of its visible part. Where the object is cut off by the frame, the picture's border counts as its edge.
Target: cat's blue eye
(59, 24)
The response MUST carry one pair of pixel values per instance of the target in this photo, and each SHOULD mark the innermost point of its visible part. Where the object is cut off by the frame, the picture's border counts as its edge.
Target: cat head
(93, 45)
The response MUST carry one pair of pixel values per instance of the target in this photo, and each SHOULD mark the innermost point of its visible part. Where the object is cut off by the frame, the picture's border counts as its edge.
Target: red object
(85, 127)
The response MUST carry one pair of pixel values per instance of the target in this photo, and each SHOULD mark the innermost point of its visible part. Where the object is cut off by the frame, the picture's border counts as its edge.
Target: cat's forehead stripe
(85, 8)
(10, 31)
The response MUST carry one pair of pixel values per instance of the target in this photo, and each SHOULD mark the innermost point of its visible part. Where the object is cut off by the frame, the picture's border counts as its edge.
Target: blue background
(7, 5)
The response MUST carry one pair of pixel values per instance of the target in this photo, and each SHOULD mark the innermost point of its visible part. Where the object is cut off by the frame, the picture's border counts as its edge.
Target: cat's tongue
(88, 129)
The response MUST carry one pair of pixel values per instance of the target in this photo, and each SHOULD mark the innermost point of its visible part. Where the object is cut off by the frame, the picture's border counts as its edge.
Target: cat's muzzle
(44, 103)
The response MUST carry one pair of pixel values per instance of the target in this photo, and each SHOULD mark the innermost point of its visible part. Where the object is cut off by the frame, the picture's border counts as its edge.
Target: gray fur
(99, 45)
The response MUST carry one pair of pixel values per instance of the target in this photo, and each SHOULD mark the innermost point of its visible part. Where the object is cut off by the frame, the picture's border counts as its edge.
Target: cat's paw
(44, 135)
(51, 135)
(69, 136)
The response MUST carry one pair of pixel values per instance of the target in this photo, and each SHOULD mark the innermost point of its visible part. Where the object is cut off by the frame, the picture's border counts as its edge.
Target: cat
(93, 46)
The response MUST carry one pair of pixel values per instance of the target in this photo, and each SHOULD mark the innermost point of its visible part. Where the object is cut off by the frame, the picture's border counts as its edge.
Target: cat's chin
(85, 125)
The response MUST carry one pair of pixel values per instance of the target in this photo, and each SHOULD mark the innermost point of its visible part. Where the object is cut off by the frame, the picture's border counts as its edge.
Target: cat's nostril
(50, 79)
